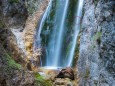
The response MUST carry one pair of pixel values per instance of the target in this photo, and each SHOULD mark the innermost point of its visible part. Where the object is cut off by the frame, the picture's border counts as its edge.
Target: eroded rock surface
(13, 74)
(64, 82)
(97, 46)
(18, 23)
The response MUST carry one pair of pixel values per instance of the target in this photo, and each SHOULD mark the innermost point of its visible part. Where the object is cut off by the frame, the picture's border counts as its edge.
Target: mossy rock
(7, 62)
(40, 81)
(2, 24)
(97, 37)
(96, 2)
(87, 73)
(13, 1)
(31, 10)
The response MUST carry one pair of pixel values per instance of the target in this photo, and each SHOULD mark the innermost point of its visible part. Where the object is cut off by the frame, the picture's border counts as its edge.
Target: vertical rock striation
(96, 64)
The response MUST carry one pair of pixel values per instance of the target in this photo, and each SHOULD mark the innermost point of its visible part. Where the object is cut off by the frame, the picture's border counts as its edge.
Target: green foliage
(13, 1)
(41, 81)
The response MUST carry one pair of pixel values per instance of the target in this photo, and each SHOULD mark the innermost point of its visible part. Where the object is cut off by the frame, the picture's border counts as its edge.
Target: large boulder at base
(66, 73)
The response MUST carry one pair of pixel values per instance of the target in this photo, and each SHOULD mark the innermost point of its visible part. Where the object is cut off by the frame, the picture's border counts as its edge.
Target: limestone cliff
(96, 64)
(18, 23)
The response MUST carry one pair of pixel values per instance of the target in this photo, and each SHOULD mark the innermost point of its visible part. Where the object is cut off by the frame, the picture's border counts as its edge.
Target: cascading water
(58, 31)
(38, 38)
(76, 28)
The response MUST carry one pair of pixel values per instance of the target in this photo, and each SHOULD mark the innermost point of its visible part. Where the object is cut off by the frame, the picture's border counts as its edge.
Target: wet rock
(66, 73)
(49, 74)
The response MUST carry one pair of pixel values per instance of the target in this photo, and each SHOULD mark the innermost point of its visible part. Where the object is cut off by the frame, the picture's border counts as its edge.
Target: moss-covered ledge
(41, 80)
(6, 62)
(12, 73)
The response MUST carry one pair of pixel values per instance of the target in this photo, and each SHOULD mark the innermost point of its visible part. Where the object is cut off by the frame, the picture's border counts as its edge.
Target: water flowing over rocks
(96, 57)
(97, 44)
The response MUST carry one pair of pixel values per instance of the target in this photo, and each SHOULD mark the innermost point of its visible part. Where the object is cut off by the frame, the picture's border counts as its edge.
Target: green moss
(2, 24)
(92, 46)
(96, 2)
(87, 73)
(8, 61)
(41, 81)
(95, 82)
(13, 1)
(97, 37)
(11, 63)
(31, 10)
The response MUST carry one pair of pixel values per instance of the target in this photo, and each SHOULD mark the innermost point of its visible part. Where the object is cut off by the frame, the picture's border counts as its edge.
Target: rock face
(18, 23)
(96, 64)
(13, 74)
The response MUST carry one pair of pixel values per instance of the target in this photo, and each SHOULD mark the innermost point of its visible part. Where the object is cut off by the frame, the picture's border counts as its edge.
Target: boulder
(66, 73)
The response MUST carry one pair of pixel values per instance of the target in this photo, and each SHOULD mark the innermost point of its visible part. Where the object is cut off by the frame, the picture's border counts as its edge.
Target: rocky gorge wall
(96, 64)
(18, 23)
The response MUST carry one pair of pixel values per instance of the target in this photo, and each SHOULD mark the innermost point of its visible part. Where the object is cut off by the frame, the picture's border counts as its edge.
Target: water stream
(58, 31)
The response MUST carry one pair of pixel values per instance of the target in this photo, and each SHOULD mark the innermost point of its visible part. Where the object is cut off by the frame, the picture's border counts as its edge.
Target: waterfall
(38, 38)
(55, 33)
(59, 37)
(76, 28)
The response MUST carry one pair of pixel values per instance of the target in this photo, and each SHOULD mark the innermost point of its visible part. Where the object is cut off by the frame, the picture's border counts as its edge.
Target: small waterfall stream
(58, 32)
